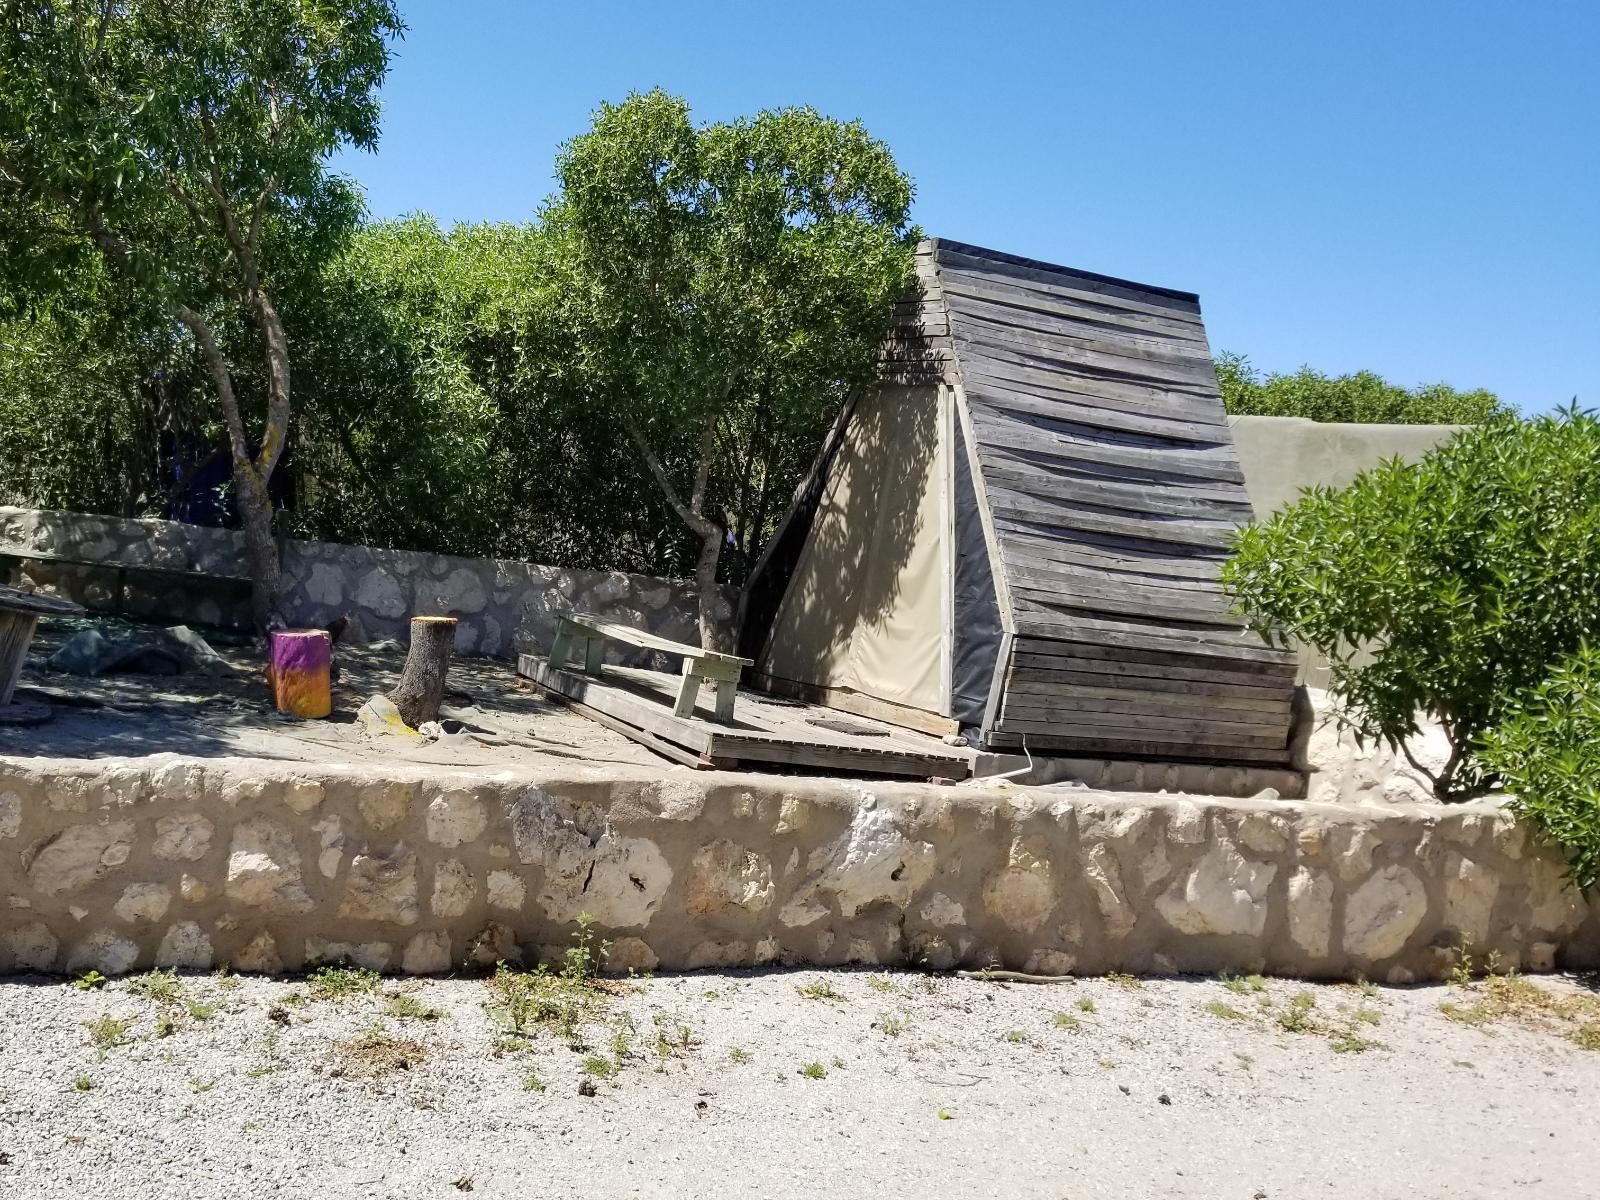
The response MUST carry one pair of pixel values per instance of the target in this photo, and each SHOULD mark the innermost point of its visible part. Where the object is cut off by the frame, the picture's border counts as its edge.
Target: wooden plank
(617, 632)
(1064, 283)
(648, 740)
(1027, 668)
(1110, 493)
(1211, 734)
(1006, 306)
(1034, 679)
(1023, 695)
(1079, 362)
(1051, 512)
(1077, 345)
(1155, 638)
(1047, 539)
(1066, 600)
(861, 705)
(1091, 552)
(1158, 751)
(1281, 667)
(1090, 416)
(1211, 464)
(1119, 395)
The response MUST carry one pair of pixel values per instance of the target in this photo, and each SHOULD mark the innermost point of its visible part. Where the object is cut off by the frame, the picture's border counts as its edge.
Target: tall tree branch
(689, 516)
(223, 379)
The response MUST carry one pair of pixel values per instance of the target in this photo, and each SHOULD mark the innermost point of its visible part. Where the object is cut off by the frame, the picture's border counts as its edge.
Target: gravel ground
(793, 1083)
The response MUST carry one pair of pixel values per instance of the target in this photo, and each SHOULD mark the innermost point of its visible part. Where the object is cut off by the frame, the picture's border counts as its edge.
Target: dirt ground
(796, 1083)
(136, 714)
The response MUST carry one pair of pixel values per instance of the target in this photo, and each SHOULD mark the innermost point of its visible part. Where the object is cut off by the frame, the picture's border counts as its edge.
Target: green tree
(724, 286)
(1468, 576)
(181, 140)
(1363, 397)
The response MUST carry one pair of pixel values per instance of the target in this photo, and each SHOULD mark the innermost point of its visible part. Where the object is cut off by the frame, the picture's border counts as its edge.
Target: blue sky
(1409, 187)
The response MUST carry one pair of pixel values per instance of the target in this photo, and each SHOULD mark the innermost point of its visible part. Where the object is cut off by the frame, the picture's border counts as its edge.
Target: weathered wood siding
(1112, 490)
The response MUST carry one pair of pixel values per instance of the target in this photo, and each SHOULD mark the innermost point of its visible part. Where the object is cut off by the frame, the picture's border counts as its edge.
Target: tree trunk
(712, 634)
(255, 511)
(421, 685)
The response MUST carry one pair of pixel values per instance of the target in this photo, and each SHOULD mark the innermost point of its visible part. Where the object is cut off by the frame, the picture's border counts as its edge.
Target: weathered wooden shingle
(1112, 490)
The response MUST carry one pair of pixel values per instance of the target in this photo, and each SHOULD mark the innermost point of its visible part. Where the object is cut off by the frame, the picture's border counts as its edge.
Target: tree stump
(421, 685)
(299, 664)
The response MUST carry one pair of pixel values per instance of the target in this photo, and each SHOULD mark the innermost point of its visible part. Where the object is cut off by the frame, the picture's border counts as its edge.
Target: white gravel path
(244, 1105)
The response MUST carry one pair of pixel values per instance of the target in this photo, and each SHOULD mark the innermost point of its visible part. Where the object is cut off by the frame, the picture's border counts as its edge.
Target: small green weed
(532, 1083)
(1296, 1016)
(107, 1032)
(814, 1070)
(1086, 1004)
(1226, 1011)
(403, 1006)
(89, 981)
(740, 1055)
(880, 983)
(1067, 1021)
(163, 987)
(822, 989)
(341, 982)
(893, 1024)
(1244, 985)
(201, 1086)
(199, 1010)
(1016, 1037)
(946, 1115)
(83, 1084)
(600, 1067)
(1129, 982)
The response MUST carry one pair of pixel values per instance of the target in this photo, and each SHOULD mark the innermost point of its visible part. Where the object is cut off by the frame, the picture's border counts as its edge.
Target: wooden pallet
(765, 733)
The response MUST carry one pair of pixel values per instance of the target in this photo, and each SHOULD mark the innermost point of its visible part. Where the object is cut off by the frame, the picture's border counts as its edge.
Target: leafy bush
(1362, 397)
(1449, 586)
(1547, 751)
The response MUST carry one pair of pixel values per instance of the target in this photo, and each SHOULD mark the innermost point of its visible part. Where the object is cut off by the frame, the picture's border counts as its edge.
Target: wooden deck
(765, 731)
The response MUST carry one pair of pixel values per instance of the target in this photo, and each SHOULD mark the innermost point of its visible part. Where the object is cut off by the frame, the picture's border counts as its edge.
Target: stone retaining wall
(124, 864)
(505, 606)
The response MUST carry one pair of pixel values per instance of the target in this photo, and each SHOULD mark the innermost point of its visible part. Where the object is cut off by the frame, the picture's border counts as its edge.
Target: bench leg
(594, 654)
(559, 647)
(725, 693)
(688, 693)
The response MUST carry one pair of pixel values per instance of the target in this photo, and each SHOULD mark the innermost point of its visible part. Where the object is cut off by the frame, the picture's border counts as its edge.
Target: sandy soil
(792, 1084)
(211, 717)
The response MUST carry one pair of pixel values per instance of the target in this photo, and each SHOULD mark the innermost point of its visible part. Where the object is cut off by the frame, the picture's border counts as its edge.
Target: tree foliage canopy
(1363, 397)
(723, 287)
(1468, 575)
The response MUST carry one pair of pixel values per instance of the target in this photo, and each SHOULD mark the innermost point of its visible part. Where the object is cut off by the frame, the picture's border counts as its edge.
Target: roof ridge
(1017, 260)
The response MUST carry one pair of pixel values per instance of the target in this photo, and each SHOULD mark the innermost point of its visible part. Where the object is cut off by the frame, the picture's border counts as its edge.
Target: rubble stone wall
(504, 606)
(122, 864)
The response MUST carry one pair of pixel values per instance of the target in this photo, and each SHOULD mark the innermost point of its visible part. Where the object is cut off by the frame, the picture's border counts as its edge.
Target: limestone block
(496, 944)
(619, 880)
(374, 956)
(260, 956)
(506, 890)
(1265, 833)
(105, 951)
(1105, 881)
(379, 593)
(1383, 912)
(1470, 888)
(78, 855)
(143, 903)
(382, 887)
(1541, 957)
(264, 869)
(1050, 962)
(1558, 908)
(1222, 893)
(1311, 912)
(454, 888)
(30, 946)
(1187, 823)
(1352, 847)
(184, 945)
(427, 953)
(386, 803)
(631, 954)
(184, 838)
(724, 875)
(459, 593)
(302, 795)
(941, 910)
(194, 890)
(456, 817)
(931, 950)
(873, 862)
(718, 954)
(805, 907)
(330, 845)
(10, 814)
(326, 585)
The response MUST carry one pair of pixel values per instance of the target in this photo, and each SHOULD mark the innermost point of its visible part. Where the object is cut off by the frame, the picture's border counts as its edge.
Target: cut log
(421, 685)
(299, 664)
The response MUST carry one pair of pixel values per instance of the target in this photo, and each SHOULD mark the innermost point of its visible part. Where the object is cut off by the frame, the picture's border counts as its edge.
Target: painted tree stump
(300, 666)
(19, 617)
(421, 686)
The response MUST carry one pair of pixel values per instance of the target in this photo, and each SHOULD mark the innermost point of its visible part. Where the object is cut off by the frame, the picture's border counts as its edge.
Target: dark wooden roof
(1112, 491)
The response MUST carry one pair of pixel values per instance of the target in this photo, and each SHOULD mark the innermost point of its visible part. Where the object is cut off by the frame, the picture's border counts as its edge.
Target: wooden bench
(21, 555)
(699, 666)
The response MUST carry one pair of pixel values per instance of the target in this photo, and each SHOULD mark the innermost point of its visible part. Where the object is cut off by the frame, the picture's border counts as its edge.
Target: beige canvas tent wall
(1019, 530)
